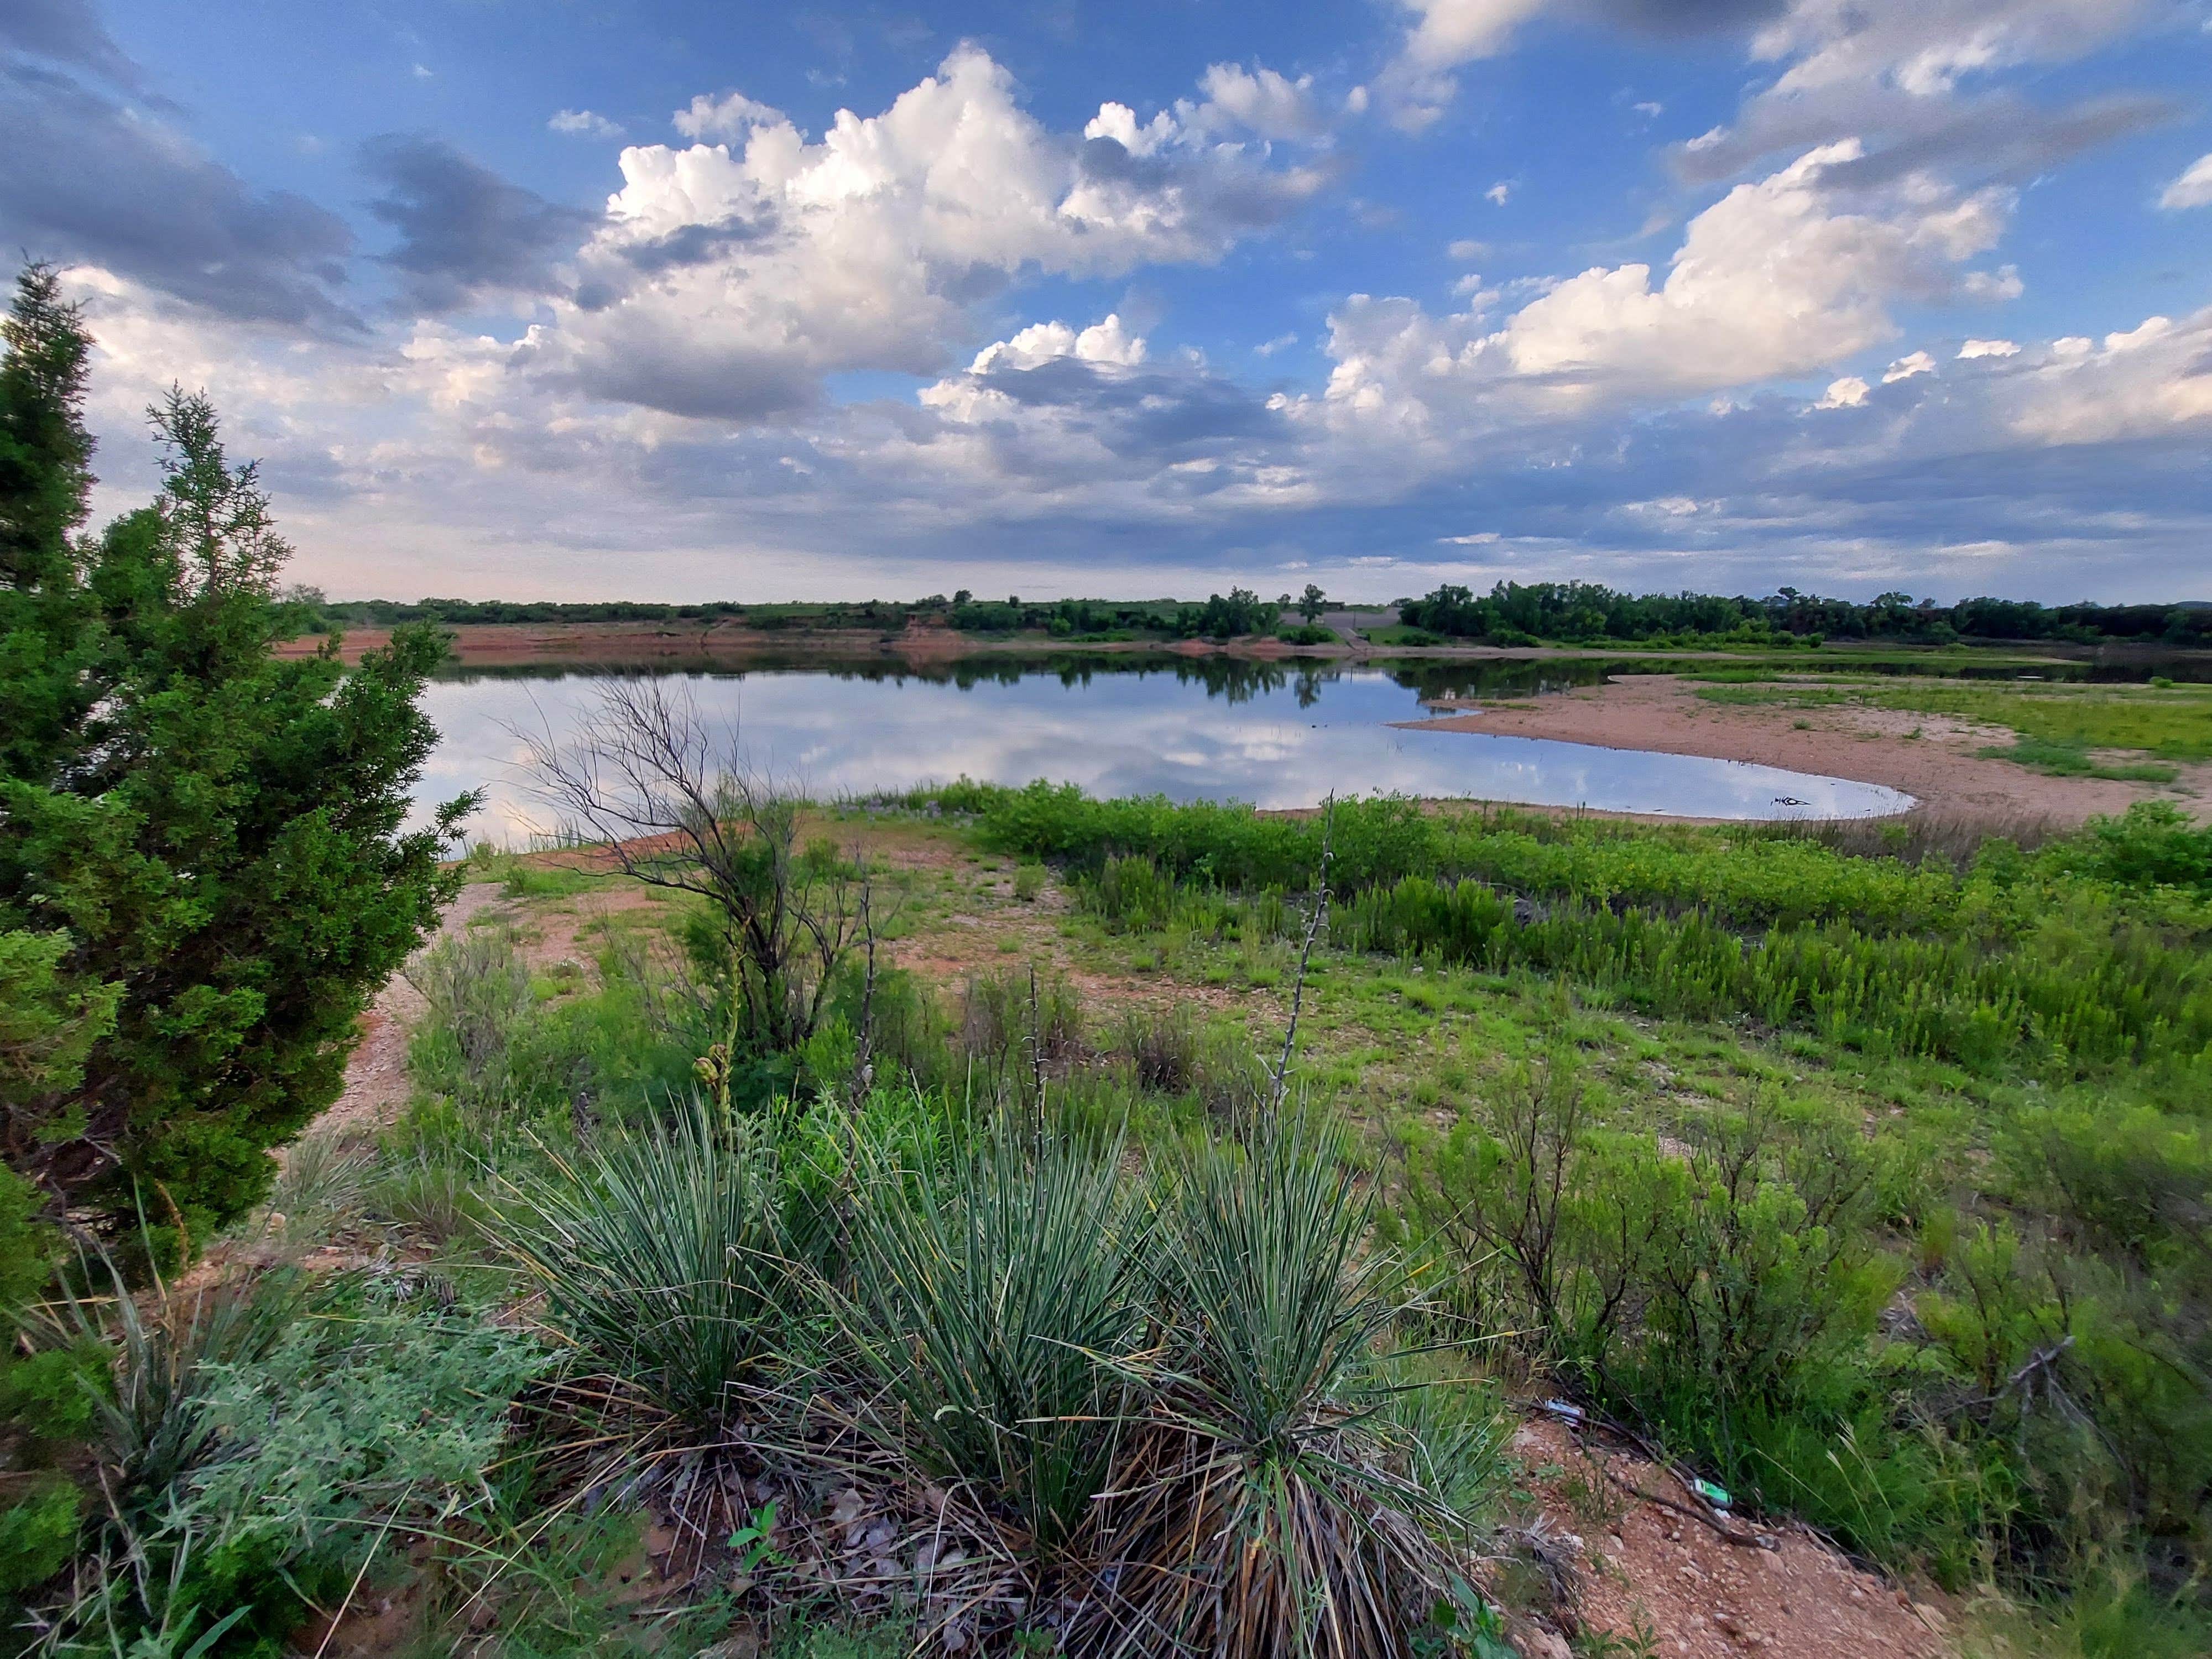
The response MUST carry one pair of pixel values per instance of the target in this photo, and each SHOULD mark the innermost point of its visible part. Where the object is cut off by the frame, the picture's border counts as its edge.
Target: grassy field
(1866, 1178)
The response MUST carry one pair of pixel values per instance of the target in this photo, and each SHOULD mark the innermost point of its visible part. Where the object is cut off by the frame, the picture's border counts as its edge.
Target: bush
(1723, 1291)
(38, 1535)
(260, 1441)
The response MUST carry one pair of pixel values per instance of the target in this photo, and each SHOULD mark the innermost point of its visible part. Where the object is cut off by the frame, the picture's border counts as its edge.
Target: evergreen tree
(205, 872)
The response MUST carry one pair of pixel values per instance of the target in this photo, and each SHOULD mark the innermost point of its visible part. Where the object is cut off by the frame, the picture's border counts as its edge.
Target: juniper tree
(205, 870)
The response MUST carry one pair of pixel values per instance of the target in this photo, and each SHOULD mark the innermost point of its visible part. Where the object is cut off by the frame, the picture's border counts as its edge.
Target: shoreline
(1662, 713)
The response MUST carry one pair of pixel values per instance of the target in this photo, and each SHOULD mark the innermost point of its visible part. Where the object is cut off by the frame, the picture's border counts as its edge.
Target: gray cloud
(463, 230)
(1679, 18)
(89, 177)
(65, 31)
(729, 382)
(698, 244)
(1999, 136)
(1227, 190)
(2005, 138)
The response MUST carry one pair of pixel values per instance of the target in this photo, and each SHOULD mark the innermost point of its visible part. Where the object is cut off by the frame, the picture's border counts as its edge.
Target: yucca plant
(1267, 1509)
(153, 1430)
(992, 1300)
(660, 1252)
(1260, 1253)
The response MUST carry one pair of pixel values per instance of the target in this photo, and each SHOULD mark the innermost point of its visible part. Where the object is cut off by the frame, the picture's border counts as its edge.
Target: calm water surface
(1258, 732)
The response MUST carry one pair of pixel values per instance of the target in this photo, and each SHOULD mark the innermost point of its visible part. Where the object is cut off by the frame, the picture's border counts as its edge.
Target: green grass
(2066, 760)
(1859, 1135)
(2169, 723)
(2019, 1091)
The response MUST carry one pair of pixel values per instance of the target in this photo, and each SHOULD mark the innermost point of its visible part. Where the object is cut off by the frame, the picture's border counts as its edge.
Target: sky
(575, 299)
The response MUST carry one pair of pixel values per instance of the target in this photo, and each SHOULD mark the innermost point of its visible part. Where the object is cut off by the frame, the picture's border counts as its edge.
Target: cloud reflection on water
(1114, 733)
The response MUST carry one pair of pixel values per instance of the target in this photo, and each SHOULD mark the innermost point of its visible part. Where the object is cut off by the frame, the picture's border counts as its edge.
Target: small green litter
(1716, 1496)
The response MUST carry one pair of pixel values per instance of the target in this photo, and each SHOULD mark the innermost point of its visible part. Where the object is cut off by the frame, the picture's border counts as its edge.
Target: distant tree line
(1240, 613)
(1516, 613)
(1511, 613)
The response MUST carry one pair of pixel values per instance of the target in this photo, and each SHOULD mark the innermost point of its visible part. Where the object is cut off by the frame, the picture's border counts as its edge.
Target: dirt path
(1939, 768)
(376, 1074)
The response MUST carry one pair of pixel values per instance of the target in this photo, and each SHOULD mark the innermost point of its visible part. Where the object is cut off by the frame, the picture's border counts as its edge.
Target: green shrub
(2153, 844)
(261, 1441)
(38, 1534)
(1014, 1027)
(219, 832)
(1723, 1290)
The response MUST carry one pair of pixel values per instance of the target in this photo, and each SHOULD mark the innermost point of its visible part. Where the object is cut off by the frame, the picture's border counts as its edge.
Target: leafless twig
(1305, 954)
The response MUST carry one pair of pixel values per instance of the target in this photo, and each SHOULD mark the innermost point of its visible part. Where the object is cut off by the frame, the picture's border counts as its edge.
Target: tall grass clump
(993, 1301)
(661, 1253)
(1268, 1507)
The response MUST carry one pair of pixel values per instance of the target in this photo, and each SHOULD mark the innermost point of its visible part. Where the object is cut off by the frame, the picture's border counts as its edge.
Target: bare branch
(1305, 955)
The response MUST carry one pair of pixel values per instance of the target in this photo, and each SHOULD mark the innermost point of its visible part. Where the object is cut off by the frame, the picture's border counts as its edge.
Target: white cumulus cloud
(727, 279)
(732, 116)
(2192, 189)
(2144, 382)
(1781, 276)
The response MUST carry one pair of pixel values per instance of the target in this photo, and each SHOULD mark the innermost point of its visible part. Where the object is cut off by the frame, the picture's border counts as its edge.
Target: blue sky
(580, 299)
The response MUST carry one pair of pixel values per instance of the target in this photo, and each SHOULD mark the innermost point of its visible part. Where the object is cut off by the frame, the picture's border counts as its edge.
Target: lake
(1274, 734)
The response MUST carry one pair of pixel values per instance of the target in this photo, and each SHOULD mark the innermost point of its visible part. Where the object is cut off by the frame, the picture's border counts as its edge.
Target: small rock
(1931, 1617)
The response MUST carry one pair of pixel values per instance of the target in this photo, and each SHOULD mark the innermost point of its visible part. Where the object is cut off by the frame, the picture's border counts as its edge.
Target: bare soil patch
(1644, 1565)
(376, 1073)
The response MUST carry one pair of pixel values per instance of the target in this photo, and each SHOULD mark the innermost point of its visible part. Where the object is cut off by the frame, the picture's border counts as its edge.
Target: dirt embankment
(1938, 766)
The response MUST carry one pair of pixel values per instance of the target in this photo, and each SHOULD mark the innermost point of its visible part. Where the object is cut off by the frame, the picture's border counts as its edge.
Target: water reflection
(1277, 734)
